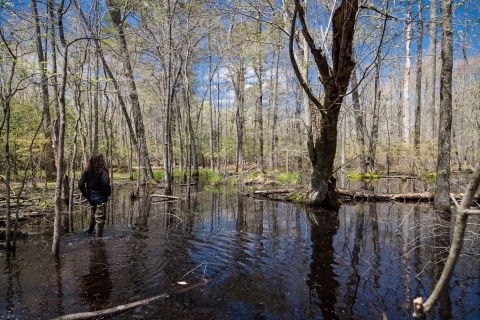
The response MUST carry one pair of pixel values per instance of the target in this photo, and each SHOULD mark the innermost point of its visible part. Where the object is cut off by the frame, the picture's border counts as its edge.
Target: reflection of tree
(58, 283)
(442, 245)
(322, 278)
(14, 287)
(144, 207)
(354, 278)
(97, 283)
(241, 221)
(258, 209)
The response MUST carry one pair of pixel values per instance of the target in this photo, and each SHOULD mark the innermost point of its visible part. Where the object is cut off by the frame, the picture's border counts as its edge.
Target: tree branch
(295, 65)
(126, 307)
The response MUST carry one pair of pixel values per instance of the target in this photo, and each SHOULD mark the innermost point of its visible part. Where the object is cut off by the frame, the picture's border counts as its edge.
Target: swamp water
(264, 260)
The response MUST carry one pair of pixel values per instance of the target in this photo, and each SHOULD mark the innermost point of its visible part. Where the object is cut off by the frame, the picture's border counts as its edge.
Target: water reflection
(13, 288)
(96, 284)
(322, 277)
(264, 259)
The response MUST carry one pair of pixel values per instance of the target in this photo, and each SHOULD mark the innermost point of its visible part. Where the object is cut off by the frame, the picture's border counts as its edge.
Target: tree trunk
(418, 109)
(335, 80)
(442, 191)
(239, 114)
(431, 73)
(6, 114)
(137, 112)
(273, 124)
(42, 65)
(60, 158)
(359, 122)
(406, 78)
(210, 107)
(376, 109)
(259, 121)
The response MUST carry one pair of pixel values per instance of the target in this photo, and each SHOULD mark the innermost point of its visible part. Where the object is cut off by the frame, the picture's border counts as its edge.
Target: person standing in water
(95, 187)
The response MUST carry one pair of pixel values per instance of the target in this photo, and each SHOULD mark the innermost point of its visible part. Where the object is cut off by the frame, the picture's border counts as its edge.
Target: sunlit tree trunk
(274, 116)
(406, 78)
(431, 73)
(418, 86)
(239, 114)
(442, 191)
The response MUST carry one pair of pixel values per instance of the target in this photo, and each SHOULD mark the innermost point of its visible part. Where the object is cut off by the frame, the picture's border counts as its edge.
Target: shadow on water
(265, 260)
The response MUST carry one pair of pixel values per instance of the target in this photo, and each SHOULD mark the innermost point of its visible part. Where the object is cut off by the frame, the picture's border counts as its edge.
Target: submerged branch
(128, 306)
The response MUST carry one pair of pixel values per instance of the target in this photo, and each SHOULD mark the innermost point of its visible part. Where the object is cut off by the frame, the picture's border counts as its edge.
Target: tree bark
(406, 78)
(274, 116)
(442, 190)
(431, 73)
(418, 108)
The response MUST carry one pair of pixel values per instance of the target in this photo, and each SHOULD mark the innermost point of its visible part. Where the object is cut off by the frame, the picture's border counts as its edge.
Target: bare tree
(335, 80)
(118, 21)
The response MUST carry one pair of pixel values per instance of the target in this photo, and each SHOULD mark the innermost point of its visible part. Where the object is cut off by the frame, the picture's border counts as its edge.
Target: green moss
(288, 178)
(363, 177)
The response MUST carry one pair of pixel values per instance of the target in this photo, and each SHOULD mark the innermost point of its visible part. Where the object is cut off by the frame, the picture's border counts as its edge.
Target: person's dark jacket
(95, 186)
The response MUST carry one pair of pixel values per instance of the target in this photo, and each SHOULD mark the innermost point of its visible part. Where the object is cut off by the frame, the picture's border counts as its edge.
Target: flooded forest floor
(249, 258)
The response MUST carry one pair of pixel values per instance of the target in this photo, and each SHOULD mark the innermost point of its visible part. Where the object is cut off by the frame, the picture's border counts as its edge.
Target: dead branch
(265, 193)
(366, 195)
(126, 307)
(165, 196)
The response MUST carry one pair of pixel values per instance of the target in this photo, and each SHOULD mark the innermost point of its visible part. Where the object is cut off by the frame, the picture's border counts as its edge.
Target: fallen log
(366, 195)
(165, 196)
(397, 177)
(265, 193)
(125, 307)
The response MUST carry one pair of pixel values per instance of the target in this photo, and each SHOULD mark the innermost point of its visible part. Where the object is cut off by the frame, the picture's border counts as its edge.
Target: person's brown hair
(96, 162)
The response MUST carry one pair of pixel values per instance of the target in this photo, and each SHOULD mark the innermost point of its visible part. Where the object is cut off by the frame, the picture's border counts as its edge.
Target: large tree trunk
(322, 183)
(442, 191)
(137, 112)
(335, 80)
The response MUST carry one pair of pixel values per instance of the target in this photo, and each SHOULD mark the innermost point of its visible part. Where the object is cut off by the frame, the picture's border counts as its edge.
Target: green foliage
(288, 178)
(233, 181)
(215, 179)
(364, 177)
